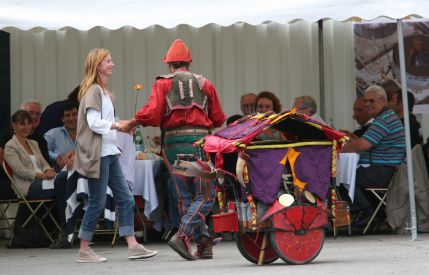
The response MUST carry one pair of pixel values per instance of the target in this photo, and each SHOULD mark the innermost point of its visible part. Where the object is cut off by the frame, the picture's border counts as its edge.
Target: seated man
(362, 117)
(248, 104)
(381, 149)
(62, 145)
(62, 140)
(360, 114)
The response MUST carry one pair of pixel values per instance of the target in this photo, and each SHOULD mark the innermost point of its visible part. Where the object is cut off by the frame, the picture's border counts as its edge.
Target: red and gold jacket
(153, 113)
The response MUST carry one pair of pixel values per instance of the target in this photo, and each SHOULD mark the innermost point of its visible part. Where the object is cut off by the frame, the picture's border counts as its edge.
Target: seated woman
(28, 165)
(267, 102)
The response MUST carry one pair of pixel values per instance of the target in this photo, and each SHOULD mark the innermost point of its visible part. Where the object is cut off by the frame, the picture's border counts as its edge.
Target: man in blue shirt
(62, 140)
(381, 149)
(62, 145)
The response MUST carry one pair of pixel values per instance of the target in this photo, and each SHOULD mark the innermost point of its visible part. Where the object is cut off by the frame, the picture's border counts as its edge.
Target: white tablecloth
(346, 171)
(144, 185)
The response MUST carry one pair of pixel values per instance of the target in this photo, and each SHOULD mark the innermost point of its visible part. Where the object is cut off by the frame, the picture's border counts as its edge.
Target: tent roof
(113, 14)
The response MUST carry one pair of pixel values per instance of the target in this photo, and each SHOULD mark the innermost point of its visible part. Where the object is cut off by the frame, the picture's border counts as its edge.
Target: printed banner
(377, 58)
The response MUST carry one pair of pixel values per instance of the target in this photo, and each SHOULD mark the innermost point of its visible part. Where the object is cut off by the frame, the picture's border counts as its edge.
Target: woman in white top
(97, 158)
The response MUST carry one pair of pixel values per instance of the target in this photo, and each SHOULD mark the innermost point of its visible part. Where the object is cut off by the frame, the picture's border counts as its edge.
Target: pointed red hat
(178, 51)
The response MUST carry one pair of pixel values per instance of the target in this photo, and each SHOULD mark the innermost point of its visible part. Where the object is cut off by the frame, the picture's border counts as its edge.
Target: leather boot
(204, 249)
(169, 233)
(180, 243)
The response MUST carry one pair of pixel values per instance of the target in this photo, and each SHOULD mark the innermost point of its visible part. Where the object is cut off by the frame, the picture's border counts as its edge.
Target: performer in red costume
(186, 107)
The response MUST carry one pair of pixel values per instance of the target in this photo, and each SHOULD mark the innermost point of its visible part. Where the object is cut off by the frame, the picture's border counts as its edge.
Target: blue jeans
(193, 207)
(110, 174)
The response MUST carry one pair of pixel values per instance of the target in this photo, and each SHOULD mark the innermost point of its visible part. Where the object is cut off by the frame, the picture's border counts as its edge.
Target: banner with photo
(377, 58)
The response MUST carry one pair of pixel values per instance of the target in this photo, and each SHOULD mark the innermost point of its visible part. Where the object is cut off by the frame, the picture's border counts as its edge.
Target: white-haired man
(381, 149)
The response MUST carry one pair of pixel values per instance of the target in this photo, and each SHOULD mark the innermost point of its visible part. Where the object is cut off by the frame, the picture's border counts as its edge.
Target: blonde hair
(90, 74)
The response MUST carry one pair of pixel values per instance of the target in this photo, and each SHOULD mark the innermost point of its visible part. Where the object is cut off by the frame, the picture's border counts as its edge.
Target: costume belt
(186, 131)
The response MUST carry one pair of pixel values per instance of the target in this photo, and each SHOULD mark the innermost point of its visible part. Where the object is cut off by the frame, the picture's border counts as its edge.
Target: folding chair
(380, 194)
(4, 206)
(7, 198)
(35, 206)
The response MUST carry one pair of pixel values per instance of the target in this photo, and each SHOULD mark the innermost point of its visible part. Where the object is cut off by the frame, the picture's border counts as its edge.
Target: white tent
(43, 57)
(83, 15)
(281, 55)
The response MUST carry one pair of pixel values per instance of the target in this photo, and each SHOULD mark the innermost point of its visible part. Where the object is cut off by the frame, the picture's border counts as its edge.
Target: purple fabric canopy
(265, 173)
(312, 166)
(243, 129)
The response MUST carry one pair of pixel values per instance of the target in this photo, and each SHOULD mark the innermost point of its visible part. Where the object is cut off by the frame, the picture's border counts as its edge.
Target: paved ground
(374, 254)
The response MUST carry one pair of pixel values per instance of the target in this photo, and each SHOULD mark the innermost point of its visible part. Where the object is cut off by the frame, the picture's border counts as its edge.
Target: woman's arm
(11, 156)
(97, 124)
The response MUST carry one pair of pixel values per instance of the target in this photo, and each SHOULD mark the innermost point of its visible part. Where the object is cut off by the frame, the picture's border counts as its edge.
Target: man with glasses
(381, 149)
(248, 104)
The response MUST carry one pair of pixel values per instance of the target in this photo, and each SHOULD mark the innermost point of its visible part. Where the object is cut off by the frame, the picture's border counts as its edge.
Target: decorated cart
(280, 189)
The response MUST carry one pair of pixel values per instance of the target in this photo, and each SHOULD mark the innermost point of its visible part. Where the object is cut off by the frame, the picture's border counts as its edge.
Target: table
(346, 172)
(140, 174)
(146, 172)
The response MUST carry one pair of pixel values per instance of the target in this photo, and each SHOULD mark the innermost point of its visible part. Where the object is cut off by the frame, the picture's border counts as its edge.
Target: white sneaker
(140, 252)
(89, 256)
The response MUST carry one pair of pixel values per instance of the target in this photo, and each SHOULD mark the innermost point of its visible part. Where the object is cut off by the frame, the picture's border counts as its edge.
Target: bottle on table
(138, 140)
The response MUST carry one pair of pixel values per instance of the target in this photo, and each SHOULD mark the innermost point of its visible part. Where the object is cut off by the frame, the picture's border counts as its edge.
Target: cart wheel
(250, 247)
(298, 248)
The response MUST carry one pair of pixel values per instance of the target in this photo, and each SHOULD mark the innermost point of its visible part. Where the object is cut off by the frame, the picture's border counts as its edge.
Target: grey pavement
(373, 254)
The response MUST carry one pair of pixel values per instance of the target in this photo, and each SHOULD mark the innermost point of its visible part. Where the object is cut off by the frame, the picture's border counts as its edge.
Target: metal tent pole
(407, 131)
(322, 107)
